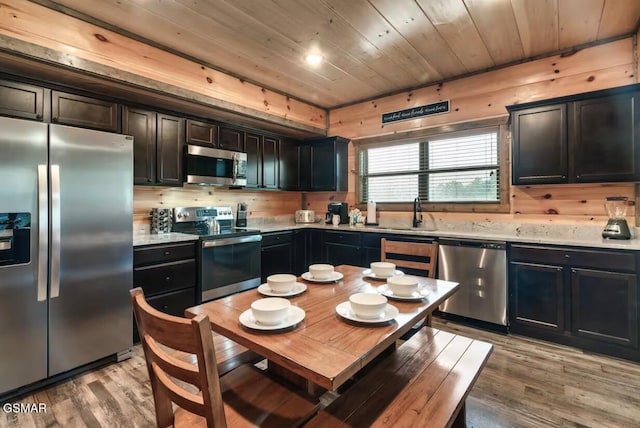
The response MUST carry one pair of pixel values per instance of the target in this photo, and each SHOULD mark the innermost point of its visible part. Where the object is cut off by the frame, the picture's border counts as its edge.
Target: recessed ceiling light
(314, 59)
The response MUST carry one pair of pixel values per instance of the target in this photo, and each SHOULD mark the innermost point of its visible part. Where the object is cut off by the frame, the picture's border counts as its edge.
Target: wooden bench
(424, 383)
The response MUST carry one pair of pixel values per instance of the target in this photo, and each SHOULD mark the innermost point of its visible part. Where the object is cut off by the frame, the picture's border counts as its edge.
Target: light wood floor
(526, 383)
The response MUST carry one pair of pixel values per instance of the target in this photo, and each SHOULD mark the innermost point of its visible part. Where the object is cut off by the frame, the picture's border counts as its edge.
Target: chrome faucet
(417, 212)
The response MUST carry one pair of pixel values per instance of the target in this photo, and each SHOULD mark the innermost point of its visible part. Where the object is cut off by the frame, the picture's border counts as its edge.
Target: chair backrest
(187, 335)
(413, 255)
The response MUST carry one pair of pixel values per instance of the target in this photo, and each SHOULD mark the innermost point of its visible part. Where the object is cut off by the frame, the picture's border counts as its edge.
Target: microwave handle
(236, 162)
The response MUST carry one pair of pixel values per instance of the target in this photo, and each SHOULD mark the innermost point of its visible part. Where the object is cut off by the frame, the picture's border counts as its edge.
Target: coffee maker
(617, 227)
(339, 208)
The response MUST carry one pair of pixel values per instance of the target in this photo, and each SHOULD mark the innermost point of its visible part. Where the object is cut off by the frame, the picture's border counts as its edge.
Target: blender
(617, 227)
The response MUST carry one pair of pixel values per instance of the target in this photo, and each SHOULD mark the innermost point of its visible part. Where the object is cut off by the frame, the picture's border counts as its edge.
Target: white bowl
(383, 269)
(271, 310)
(367, 305)
(402, 285)
(281, 282)
(321, 271)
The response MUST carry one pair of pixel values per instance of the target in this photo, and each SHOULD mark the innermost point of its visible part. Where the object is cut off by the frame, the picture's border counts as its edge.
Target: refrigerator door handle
(43, 232)
(55, 231)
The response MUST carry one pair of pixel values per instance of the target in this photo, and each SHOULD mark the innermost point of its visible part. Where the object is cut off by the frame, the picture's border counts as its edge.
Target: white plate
(370, 274)
(298, 288)
(296, 315)
(337, 276)
(344, 310)
(419, 294)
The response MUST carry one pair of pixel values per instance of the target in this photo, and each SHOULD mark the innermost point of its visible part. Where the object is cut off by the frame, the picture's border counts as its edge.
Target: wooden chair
(413, 255)
(418, 256)
(244, 397)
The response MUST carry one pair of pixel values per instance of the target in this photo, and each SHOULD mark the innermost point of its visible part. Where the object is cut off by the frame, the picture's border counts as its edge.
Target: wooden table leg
(294, 379)
(461, 419)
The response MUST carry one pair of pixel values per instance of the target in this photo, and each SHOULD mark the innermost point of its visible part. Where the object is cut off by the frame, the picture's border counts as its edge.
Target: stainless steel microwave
(204, 165)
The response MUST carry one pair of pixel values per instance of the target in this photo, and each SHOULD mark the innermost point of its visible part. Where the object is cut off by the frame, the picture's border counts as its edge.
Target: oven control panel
(184, 214)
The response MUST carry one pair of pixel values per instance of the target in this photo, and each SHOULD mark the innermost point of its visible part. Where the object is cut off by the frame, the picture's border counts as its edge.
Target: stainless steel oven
(229, 264)
(229, 257)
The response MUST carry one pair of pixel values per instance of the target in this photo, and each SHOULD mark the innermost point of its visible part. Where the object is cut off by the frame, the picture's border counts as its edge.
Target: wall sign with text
(416, 112)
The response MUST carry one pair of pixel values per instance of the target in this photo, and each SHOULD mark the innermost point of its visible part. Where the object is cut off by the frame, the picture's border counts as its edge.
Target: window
(454, 168)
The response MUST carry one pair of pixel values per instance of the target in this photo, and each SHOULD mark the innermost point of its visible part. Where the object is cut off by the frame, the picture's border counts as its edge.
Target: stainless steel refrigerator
(66, 207)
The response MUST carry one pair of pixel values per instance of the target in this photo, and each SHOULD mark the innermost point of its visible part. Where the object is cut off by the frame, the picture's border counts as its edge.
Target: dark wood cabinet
(169, 140)
(22, 101)
(342, 248)
(168, 275)
(602, 140)
(85, 112)
(141, 124)
(324, 164)
(584, 138)
(158, 141)
(231, 139)
(586, 298)
(289, 165)
(537, 297)
(201, 133)
(616, 321)
(262, 161)
(277, 254)
(540, 145)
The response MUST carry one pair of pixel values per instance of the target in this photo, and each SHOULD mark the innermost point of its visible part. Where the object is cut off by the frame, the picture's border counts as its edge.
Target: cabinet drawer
(373, 239)
(594, 259)
(276, 238)
(156, 279)
(347, 238)
(163, 253)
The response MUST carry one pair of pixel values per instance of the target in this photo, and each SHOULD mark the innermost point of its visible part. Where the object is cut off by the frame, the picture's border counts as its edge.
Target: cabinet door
(170, 139)
(300, 251)
(536, 297)
(602, 140)
(339, 254)
(289, 161)
(605, 307)
(21, 100)
(231, 139)
(141, 124)
(540, 145)
(323, 166)
(76, 110)
(315, 246)
(276, 259)
(253, 143)
(270, 176)
(201, 133)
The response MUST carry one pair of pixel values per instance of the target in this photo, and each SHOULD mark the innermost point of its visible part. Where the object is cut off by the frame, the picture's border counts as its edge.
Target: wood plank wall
(260, 203)
(485, 96)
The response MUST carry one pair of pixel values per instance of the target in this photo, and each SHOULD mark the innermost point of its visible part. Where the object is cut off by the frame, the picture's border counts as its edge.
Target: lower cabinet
(276, 253)
(584, 298)
(167, 275)
(342, 248)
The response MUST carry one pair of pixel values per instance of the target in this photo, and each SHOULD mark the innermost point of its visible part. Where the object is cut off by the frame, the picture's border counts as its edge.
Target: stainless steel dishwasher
(481, 269)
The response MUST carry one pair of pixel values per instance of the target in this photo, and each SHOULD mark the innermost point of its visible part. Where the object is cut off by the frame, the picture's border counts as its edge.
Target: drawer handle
(168, 279)
(165, 307)
(567, 256)
(166, 253)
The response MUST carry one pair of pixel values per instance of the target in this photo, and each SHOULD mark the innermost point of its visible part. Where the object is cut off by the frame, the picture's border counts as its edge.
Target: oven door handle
(231, 241)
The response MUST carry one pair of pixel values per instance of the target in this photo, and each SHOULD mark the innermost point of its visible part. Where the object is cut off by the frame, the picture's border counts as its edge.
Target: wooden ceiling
(371, 47)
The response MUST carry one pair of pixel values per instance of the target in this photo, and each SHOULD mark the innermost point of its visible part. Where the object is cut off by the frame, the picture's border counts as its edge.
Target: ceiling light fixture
(314, 59)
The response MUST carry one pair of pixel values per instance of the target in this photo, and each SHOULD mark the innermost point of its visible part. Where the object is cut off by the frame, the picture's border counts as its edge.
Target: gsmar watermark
(24, 408)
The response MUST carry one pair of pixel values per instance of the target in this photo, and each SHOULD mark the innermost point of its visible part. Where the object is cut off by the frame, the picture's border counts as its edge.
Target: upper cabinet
(158, 141)
(202, 133)
(21, 100)
(323, 164)
(584, 138)
(262, 161)
(85, 112)
(231, 139)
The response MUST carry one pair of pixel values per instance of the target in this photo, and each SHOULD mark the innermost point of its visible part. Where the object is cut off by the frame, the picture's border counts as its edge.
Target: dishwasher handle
(491, 245)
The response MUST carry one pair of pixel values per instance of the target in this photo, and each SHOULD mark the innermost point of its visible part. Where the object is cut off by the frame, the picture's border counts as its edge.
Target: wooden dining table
(325, 349)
